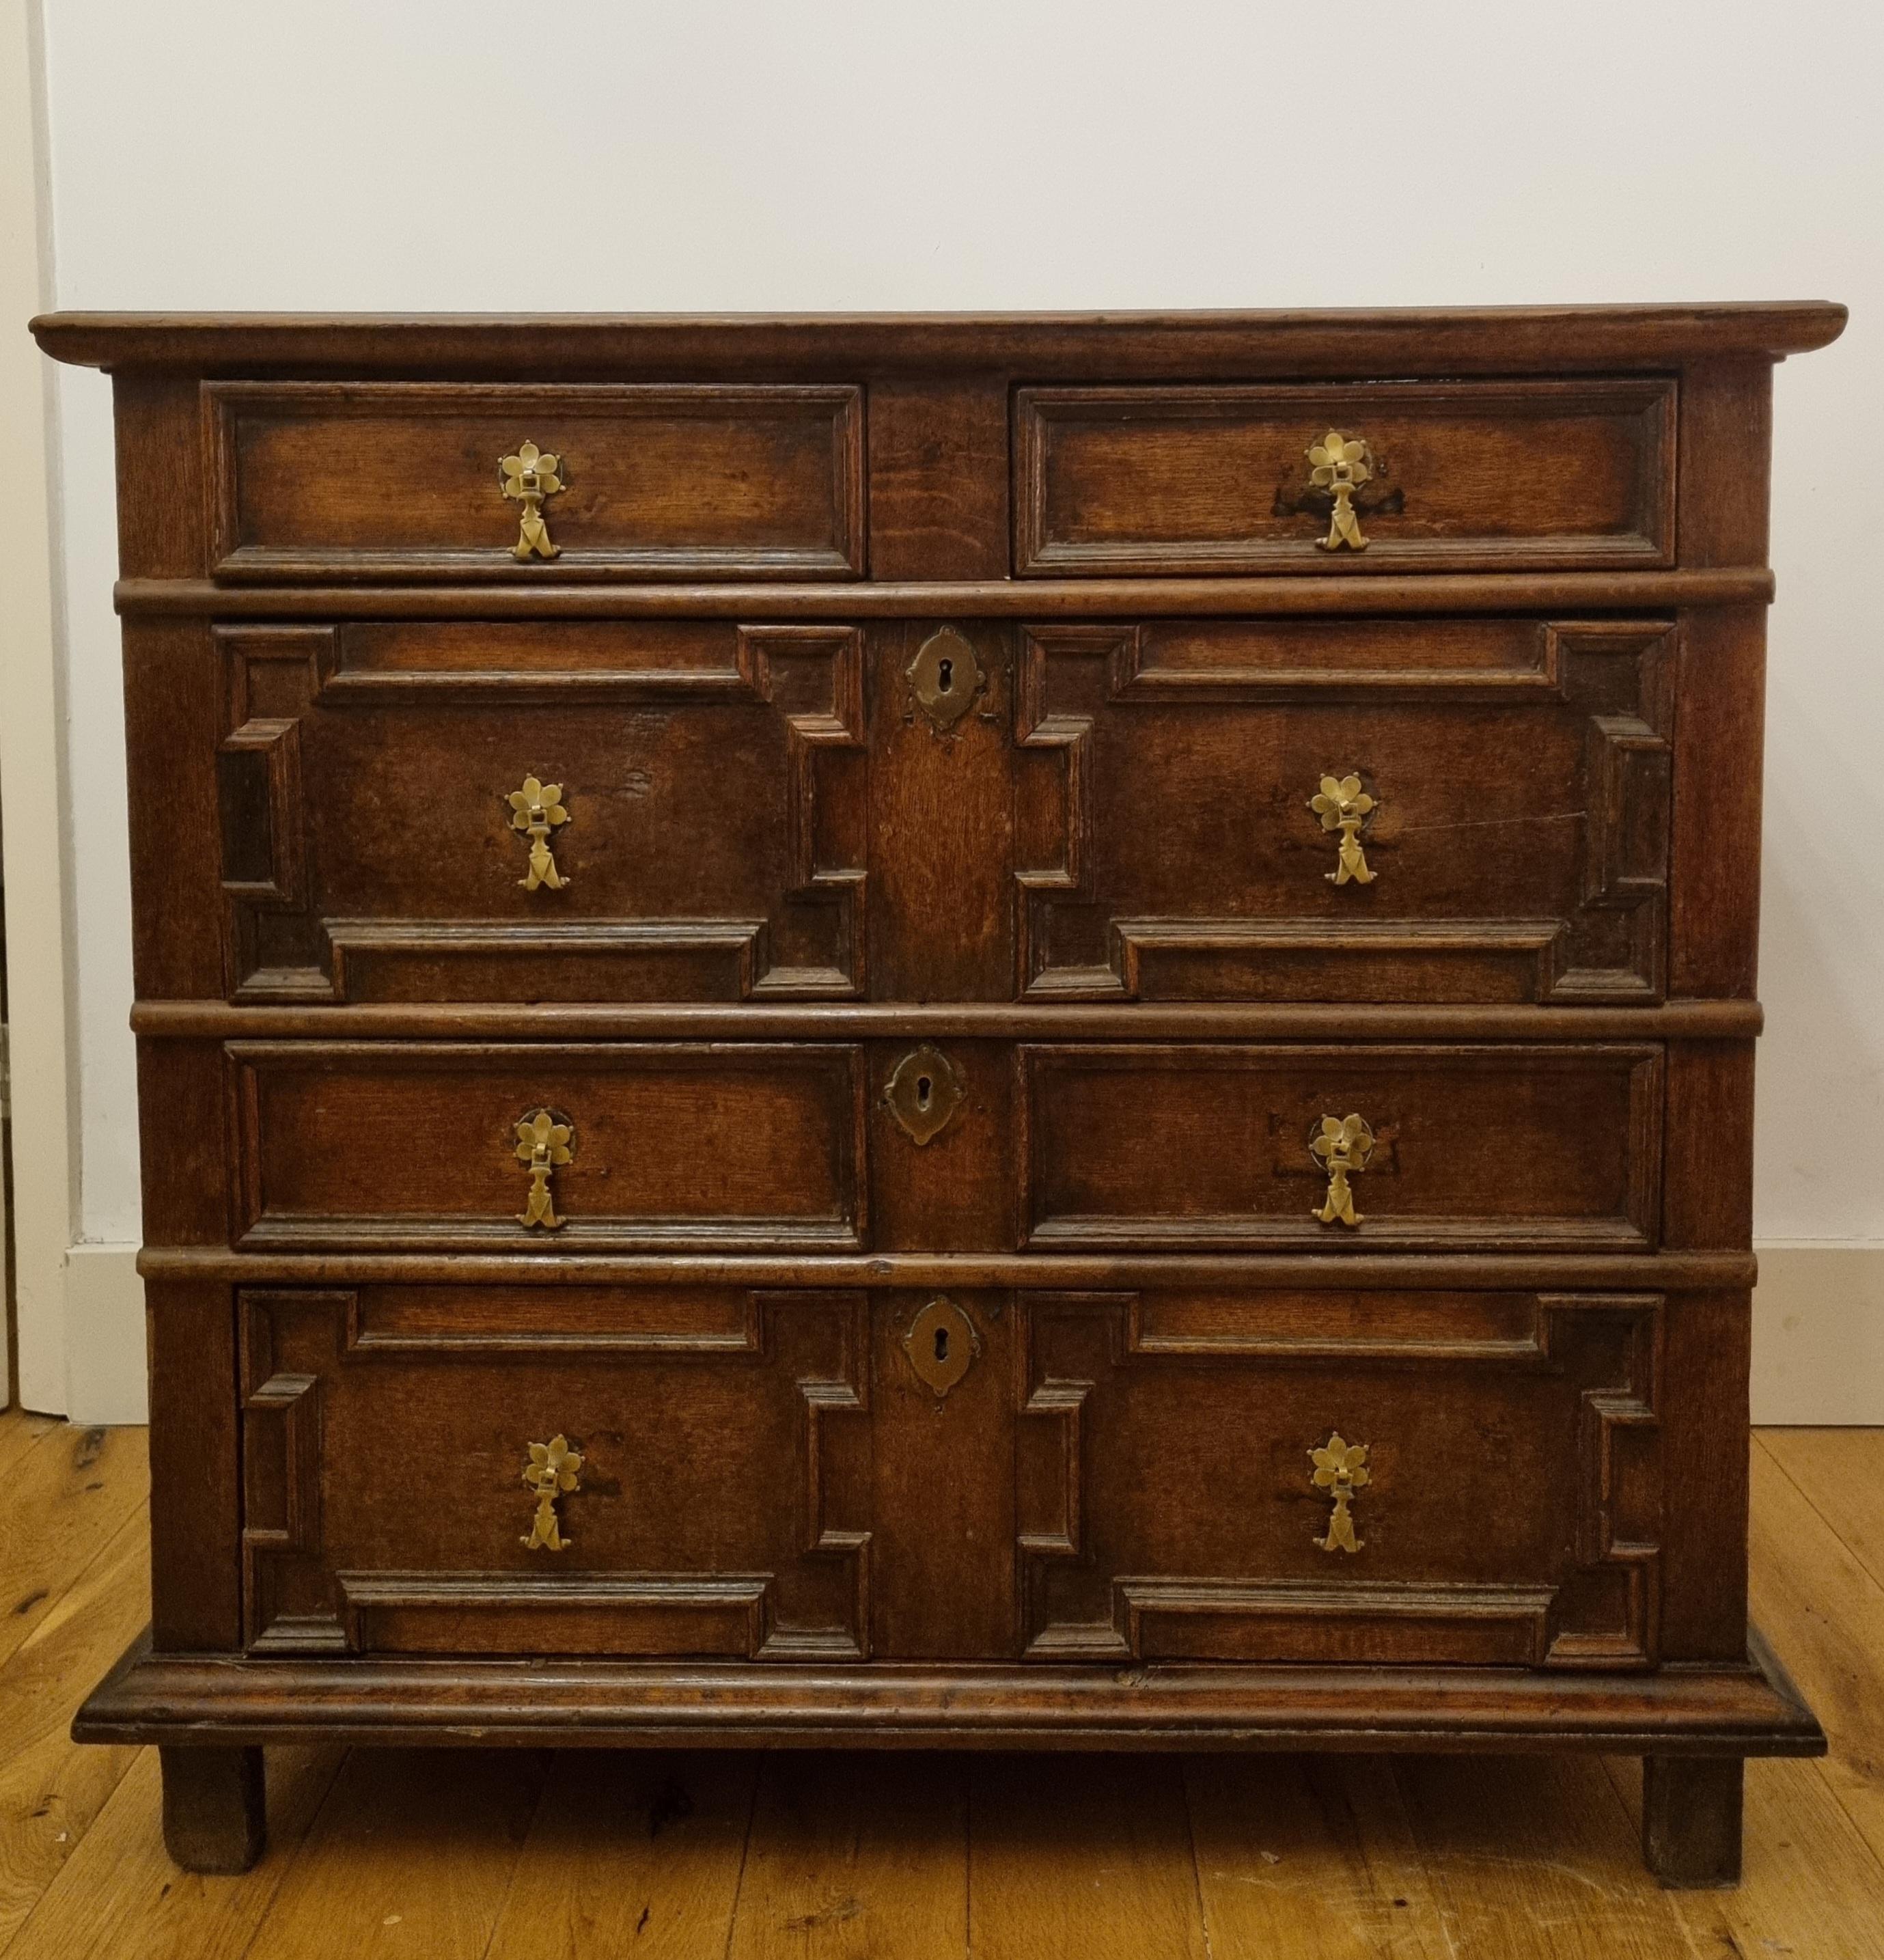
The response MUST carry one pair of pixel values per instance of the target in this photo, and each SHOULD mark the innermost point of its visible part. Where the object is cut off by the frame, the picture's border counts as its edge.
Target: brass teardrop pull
(545, 1142)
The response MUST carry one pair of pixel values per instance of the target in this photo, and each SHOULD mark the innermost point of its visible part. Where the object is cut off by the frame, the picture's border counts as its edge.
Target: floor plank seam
(1780, 1464)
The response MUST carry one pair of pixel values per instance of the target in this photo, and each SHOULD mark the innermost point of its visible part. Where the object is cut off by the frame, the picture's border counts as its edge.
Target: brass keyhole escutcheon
(942, 1345)
(945, 678)
(923, 1091)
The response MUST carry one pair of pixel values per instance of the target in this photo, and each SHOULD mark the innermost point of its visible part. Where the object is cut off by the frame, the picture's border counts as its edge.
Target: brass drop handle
(536, 809)
(544, 1143)
(528, 476)
(1341, 1469)
(552, 1471)
(1341, 1146)
(1341, 465)
(1343, 806)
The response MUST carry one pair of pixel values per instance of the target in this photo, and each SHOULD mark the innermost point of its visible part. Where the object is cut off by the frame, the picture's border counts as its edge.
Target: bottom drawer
(1258, 1476)
(1381, 1478)
(400, 1494)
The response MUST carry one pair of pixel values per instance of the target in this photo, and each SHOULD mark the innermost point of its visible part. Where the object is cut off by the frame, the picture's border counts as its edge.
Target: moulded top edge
(1197, 345)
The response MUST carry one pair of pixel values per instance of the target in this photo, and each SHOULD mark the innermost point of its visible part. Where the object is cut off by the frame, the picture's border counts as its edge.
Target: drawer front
(337, 480)
(1467, 810)
(1466, 1148)
(381, 841)
(423, 1145)
(1458, 476)
(719, 1506)
(1377, 1478)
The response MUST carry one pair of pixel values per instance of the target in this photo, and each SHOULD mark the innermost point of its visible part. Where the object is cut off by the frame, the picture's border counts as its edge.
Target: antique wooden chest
(949, 1032)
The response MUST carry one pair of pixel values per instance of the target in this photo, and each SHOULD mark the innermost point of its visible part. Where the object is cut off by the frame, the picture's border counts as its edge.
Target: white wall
(541, 154)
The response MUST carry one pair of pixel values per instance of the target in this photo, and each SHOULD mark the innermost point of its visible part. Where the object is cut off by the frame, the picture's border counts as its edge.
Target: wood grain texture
(1099, 894)
(854, 1859)
(630, 1854)
(1446, 340)
(1471, 476)
(685, 482)
(1342, 1858)
(51, 1792)
(1077, 1868)
(1335, 594)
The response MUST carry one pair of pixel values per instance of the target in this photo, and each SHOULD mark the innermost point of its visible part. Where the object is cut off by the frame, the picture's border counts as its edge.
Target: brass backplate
(942, 1345)
(946, 678)
(923, 1091)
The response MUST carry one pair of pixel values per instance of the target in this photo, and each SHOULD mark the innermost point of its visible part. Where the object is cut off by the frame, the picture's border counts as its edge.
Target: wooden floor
(531, 1855)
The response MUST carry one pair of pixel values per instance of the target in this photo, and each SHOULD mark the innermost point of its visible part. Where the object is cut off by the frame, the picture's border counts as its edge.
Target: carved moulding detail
(1610, 948)
(281, 950)
(296, 1602)
(1602, 1611)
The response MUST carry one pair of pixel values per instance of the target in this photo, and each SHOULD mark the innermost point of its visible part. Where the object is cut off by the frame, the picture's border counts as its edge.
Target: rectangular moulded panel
(392, 479)
(1466, 476)
(1520, 1147)
(413, 1145)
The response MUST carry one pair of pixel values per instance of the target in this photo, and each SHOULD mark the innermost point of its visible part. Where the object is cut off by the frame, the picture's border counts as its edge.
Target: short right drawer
(1376, 475)
(1465, 1146)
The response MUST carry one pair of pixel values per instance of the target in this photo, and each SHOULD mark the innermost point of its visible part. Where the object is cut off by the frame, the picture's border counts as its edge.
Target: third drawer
(974, 1145)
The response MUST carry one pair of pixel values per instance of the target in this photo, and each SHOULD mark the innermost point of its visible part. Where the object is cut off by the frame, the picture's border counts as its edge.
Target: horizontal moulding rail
(508, 593)
(1655, 1272)
(216, 1020)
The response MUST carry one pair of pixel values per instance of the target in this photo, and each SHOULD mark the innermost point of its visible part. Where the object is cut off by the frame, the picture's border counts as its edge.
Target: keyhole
(941, 1344)
(944, 676)
(924, 1089)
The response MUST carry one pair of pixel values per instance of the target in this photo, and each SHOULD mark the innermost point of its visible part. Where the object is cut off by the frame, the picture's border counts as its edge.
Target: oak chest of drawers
(946, 1032)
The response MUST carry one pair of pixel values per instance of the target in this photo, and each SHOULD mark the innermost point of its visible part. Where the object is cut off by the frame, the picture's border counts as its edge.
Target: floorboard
(529, 1855)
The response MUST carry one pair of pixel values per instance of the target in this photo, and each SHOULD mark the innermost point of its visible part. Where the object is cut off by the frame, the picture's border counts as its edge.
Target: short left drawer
(337, 480)
(444, 1145)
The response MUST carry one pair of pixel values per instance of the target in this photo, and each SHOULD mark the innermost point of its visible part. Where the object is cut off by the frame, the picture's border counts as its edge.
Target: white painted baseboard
(104, 1335)
(1818, 1334)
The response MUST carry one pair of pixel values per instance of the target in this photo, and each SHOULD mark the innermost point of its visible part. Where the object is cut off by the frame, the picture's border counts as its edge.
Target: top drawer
(1447, 476)
(340, 480)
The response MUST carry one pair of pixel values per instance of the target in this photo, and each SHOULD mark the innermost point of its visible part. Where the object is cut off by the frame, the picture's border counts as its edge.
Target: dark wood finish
(675, 1544)
(1518, 848)
(414, 1145)
(1551, 1149)
(1512, 1516)
(1748, 1709)
(715, 846)
(214, 1813)
(1691, 1819)
(986, 1423)
(1447, 340)
(315, 480)
(1438, 1021)
(1333, 595)
(1482, 477)
(1356, 1266)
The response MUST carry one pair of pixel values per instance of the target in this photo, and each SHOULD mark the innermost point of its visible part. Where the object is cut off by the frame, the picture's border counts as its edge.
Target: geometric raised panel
(1513, 1515)
(385, 1511)
(713, 778)
(1519, 844)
